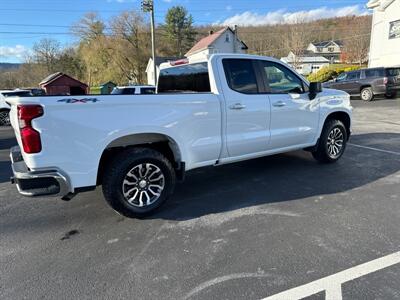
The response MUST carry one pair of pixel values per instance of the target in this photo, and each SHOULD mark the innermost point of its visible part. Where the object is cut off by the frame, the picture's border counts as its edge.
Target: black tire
(322, 153)
(122, 164)
(4, 117)
(391, 96)
(367, 94)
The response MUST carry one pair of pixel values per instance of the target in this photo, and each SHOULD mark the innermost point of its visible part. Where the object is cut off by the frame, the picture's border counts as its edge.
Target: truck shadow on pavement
(247, 184)
(279, 178)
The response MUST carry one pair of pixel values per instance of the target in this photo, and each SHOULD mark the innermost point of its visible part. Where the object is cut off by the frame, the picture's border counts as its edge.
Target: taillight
(385, 80)
(30, 137)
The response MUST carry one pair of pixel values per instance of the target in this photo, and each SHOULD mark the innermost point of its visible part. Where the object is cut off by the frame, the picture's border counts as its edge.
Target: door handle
(237, 106)
(279, 104)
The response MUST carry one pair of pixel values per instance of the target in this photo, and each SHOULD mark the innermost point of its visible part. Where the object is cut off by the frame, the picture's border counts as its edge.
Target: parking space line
(332, 284)
(374, 149)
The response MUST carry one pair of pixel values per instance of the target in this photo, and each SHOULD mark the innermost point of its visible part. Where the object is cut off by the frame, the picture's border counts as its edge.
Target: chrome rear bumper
(49, 182)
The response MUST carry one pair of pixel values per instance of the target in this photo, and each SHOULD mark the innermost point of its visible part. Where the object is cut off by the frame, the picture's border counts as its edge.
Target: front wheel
(332, 142)
(138, 181)
(5, 117)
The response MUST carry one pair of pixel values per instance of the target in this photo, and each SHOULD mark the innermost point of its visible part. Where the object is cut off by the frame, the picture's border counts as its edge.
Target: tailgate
(14, 123)
(393, 75)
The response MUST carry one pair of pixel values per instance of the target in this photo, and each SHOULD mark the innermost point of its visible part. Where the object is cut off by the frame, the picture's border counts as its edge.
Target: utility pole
(235, 39)
(148, 6)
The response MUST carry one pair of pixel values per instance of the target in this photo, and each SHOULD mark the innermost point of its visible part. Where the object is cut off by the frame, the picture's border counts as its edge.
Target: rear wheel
(138, 181)
(332, 142)
(4, 117)
(391, 95)
(367, 94)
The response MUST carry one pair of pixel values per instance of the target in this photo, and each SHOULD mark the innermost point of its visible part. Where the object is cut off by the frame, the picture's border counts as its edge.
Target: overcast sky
(22, 22)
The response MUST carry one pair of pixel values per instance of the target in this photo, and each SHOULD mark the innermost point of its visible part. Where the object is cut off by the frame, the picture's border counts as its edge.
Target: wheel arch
(342, 116)
(365, 86)
(160, 142)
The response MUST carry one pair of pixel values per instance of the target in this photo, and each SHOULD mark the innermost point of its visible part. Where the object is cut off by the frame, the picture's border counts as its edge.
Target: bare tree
(356, 46)
(131, 45)
(297, 39)
(90, 27)
(46, 52)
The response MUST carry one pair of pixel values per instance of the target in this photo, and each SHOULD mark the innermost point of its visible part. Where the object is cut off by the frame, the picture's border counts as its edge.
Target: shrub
(331, 72)
(95, 90)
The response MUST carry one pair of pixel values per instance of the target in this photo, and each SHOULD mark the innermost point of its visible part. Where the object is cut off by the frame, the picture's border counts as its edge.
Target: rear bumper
(47, 182)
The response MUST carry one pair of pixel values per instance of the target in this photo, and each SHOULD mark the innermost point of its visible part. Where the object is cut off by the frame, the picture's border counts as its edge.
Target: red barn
(62, 84)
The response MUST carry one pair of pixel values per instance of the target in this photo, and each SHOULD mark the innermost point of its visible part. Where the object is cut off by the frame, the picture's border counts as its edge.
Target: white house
(306, 63)
(150, 67)
(332, 50)
(222, 41)
(385, 35)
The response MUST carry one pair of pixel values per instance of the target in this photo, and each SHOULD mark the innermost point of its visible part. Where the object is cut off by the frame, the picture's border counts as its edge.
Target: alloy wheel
(335, 142)
(4, 118)
(143, 185)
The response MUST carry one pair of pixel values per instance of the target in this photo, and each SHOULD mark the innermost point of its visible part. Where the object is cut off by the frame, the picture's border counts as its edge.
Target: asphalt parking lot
(242, 231)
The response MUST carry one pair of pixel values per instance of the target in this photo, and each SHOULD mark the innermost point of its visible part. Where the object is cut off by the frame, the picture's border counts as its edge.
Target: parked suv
(368, 83)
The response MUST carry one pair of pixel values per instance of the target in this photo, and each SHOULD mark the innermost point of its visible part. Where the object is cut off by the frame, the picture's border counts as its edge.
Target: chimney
(211, 32)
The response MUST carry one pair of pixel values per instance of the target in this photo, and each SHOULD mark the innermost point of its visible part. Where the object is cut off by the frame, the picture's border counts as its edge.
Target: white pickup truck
(226, 109)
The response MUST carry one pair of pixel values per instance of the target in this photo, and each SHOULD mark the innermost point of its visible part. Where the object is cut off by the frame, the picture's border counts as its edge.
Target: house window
(319, 49)
(227, 38)
(331, 49)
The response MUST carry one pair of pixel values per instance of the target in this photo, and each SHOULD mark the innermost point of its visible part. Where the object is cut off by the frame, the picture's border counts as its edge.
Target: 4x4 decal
(83, 100)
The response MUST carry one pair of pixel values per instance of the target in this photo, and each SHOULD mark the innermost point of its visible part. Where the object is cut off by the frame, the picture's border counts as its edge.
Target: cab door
(352, 83)
(247, 109)
(294, 117)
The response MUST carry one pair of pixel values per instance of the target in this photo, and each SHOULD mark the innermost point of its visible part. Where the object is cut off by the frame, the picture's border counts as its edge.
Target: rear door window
(241, 76)
(374, 73)
(147, 91)
(193, 78)
(128, 91)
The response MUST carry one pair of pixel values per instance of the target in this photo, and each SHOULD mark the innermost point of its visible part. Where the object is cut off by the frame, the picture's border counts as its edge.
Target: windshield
(341, 77)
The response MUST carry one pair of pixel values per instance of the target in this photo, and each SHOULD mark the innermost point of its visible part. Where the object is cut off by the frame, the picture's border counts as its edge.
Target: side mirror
(315, 89)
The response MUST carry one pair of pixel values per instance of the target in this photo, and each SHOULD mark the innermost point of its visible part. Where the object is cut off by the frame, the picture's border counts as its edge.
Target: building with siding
(63, 84)
(222, 41)
(385, 34)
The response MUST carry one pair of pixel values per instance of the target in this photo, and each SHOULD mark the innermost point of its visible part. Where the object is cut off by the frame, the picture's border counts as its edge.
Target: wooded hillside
(119, 50)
